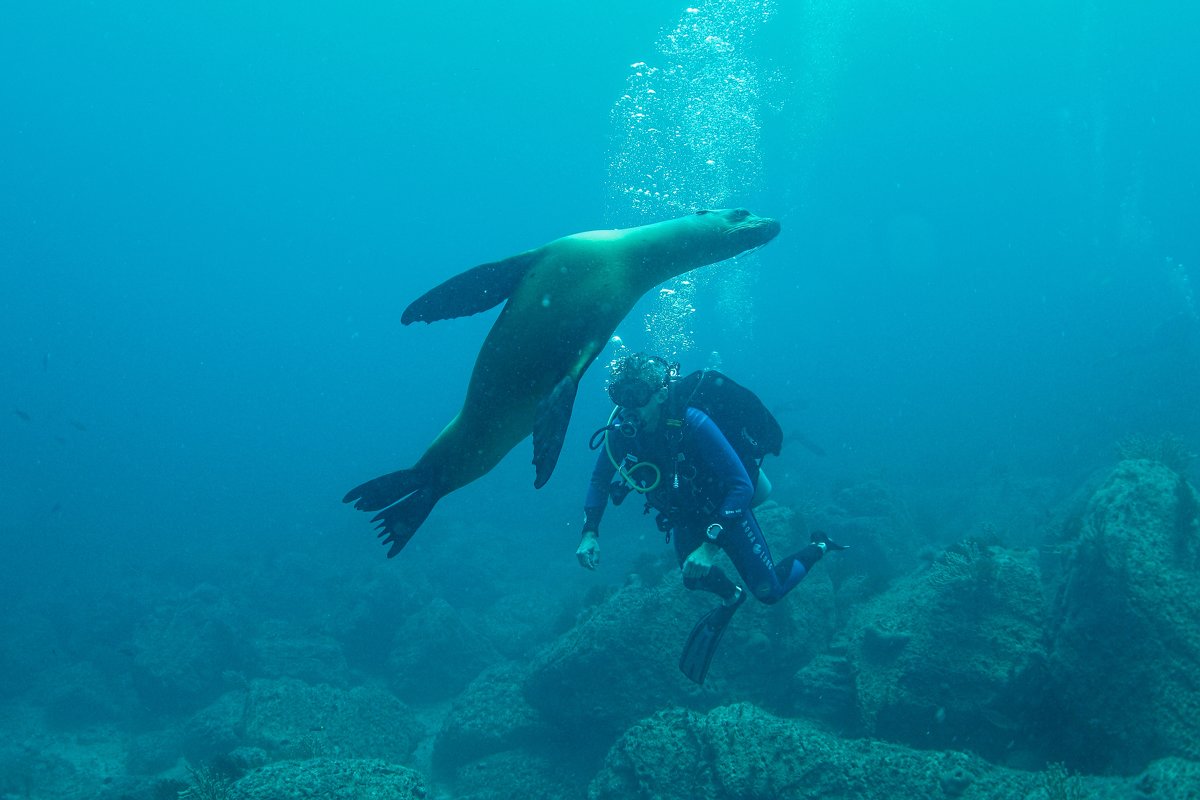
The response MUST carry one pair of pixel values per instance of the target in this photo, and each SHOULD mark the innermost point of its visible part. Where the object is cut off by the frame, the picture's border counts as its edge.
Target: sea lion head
(731, 231)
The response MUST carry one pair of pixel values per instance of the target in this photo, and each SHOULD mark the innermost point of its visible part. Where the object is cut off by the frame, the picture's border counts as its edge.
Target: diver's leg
(747, 548)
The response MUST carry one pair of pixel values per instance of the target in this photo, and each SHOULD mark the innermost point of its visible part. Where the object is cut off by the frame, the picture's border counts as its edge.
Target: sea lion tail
(406, 497)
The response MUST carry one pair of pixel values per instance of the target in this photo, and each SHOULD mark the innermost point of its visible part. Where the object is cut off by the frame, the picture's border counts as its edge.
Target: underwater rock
(945, 657)
(212, 731)
(331, 779)
(517, 623)
(81, 694)
(823, 690)
(491, 716)
(184, 652)
(1126, 623)
(617, 665)
(290, 719)
(874, 521)
(151, 752)
(742, 752)
(620, 662)
(435, 654)
(518, 775)
(739, 752)
(312, 659)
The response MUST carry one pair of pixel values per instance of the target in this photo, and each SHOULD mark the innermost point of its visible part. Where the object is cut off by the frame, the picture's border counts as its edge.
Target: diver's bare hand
(588, 552)
(700, 561)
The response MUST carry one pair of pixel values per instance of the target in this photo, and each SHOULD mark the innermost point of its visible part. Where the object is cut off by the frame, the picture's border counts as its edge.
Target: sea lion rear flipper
(381, 492)
(399, 522)
(406, 497)
(550, 428)
(470, 292)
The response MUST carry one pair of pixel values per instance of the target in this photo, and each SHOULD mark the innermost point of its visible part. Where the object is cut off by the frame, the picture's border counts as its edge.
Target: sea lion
(565, 299)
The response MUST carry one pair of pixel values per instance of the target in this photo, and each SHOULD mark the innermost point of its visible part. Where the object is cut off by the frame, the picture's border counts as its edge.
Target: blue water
(211, 219)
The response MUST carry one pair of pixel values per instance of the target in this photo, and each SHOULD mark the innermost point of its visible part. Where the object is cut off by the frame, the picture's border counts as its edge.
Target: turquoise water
(212, 218)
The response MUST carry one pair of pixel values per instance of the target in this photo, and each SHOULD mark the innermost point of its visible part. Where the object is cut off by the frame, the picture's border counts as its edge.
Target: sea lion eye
(702, 212)
(740, 214)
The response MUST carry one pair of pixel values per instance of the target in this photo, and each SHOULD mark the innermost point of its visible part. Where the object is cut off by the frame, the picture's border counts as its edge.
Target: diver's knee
(767, 594)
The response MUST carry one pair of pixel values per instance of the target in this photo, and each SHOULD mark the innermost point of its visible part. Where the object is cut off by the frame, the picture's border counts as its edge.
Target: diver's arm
(594, 504)
(597, 494)
(714, 449)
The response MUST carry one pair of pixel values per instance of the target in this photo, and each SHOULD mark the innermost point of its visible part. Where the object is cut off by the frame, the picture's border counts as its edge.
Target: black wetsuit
(701, 480)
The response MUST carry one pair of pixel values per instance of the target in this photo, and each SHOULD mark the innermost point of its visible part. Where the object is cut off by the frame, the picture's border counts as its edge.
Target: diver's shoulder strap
(680, 394)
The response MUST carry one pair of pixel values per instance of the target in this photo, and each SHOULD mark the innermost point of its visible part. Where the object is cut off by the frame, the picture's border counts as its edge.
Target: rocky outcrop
(1126, 623)
(871, 518)
(491, 716)
(945, 658)
(290, 719)
(620, 663)
(282, 653)
(520, 775)
(741, 753)
(436, 653)
(330, 779)
(185, 652)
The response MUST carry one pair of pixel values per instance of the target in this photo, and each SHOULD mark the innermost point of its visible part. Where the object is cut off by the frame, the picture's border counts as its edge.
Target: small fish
(79, 426)
(22, 415)
(46, 362)
(56, 509)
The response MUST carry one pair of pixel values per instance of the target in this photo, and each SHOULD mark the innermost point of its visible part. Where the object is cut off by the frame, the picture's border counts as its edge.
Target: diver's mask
(631, 394)
(633, 379)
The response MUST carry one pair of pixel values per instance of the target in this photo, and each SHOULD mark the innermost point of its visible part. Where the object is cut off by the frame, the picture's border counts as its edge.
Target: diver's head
(638, 383)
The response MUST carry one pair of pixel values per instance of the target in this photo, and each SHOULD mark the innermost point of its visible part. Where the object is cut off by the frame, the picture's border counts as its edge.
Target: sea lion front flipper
(550, 427)
(470, 292)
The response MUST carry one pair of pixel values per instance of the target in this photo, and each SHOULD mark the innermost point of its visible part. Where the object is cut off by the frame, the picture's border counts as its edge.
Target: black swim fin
(472, 291)
(550, 428)
(406, 498)
(704, 638)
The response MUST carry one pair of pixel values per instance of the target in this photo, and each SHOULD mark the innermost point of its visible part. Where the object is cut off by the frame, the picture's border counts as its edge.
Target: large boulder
(1126, 623)
(330, 779)
(520, 775)
(186, 652)
(282, 652)
(290, 719)
(491, 716)
(871, 518)
(81, 693)
(435, 653)
(739, 752)
(619, 663)
(946, 657)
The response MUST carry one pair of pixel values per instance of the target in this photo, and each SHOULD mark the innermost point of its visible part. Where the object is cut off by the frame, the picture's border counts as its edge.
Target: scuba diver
(666, 440)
